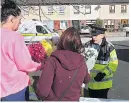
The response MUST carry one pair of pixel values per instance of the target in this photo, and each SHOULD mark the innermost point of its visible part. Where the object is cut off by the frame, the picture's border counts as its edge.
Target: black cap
(97, 30)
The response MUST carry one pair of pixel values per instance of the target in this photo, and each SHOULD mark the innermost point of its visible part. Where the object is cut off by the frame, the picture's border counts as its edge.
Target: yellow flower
(47, 46)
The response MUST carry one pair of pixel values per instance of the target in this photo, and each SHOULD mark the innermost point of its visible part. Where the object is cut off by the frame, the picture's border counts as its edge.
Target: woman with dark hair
(16, 61)
(65, 70)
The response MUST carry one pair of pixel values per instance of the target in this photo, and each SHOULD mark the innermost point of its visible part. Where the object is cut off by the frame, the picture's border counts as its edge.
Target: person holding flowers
(16, 61)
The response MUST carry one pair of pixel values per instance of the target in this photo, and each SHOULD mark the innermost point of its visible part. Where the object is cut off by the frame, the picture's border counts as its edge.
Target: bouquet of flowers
(37, 52)
(48, 47)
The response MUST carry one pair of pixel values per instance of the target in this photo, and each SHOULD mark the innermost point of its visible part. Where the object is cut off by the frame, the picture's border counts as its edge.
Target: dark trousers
(98, 93)
(27, 94)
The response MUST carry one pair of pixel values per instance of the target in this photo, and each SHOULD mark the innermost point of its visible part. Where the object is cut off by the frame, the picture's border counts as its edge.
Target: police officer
(106, 62)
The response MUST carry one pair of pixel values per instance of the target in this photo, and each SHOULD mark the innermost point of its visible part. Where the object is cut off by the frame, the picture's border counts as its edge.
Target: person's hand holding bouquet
(40, 51)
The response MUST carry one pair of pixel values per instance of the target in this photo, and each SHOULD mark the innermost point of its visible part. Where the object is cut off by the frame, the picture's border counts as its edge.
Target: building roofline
(69, 2)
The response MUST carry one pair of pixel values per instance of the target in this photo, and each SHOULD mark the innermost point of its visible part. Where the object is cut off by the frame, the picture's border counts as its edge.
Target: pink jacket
(16, 62)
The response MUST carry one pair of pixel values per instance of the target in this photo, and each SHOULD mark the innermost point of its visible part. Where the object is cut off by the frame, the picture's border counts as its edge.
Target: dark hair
(70, 40)
(9, 8)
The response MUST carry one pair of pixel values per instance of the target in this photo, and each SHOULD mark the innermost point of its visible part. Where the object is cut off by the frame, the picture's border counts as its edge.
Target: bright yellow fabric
(108, 69)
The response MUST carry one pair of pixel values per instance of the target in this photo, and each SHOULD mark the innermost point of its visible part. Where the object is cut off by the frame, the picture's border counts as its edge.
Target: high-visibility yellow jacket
(106, 62)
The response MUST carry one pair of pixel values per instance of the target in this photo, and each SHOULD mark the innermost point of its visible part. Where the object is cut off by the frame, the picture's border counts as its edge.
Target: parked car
(85, 29)
(126, 29)
(34, 31)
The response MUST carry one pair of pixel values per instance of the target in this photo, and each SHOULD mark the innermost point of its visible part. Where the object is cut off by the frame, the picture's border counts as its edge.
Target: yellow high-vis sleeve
(113, 63)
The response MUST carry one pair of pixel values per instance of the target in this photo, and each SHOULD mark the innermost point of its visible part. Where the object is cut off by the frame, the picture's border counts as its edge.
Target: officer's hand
(99, 76)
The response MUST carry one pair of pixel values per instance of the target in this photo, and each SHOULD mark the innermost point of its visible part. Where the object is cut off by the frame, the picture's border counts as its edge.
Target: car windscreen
(47, 28)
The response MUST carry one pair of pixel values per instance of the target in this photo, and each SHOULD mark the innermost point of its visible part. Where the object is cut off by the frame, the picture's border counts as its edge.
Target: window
(125, 25)
(76, 9)
(105, 23)
(82, 25)
(24, 13)
(111, 26)
(25, 10)
(62, 10)
(87, 9)
(112, 9)
(40, 29)
(50, 10)
(106, 26)
(49, 30)
(123, 8)
(63, 24)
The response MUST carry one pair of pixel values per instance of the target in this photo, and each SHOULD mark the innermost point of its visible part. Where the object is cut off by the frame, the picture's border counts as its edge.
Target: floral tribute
(37, 52)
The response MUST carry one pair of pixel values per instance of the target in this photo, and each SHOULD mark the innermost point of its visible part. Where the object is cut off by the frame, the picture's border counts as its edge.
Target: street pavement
(120, 88)
(115, 34)
(111, 36)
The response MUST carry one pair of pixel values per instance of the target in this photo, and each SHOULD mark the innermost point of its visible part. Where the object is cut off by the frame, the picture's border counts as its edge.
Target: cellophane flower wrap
(37, 52)
(47, 46)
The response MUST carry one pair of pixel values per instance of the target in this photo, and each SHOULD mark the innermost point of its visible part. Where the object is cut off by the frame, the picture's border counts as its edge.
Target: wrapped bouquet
(47, 46)
(40, 51)
(37, 52)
